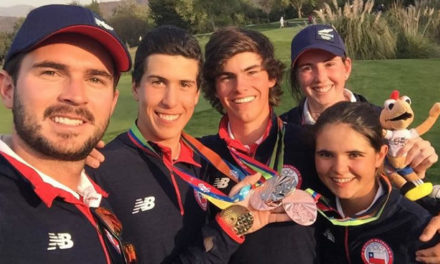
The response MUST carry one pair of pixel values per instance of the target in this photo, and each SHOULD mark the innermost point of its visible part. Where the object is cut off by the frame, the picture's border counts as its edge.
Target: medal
(300, 207)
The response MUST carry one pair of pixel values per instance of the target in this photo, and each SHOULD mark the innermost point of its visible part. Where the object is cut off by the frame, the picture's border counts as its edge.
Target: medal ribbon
(324, 206)
(211, 193)
(252, 165)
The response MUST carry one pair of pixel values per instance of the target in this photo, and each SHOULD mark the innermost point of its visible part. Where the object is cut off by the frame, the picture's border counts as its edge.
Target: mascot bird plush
(395, 118)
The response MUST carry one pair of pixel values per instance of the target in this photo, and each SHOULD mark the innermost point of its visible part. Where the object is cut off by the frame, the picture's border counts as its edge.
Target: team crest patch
(203, 203)
(376, 251)
(290, 171)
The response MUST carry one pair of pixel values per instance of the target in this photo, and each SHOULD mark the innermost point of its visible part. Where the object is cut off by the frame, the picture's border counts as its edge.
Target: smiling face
(243, 88)
(347, 164)
(63, 98)
(166, 97)
(322, 76)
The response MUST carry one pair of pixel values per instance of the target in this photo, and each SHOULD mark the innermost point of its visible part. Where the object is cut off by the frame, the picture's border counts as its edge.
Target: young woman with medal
(319, 70)
(366, 221)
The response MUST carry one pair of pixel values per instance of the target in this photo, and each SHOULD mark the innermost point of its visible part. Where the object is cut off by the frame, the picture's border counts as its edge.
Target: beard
(28, 129)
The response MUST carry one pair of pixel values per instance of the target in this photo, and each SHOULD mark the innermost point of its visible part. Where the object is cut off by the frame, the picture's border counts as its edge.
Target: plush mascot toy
(395, 118)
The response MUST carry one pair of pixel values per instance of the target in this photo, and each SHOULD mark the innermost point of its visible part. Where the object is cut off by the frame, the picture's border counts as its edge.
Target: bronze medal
(300, 207)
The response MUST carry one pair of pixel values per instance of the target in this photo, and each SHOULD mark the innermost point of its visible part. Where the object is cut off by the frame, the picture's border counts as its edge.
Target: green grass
(419, 79)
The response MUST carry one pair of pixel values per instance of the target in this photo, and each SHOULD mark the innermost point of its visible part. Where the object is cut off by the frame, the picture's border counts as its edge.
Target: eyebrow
(251, 67)
(63, 67)
(166, 80)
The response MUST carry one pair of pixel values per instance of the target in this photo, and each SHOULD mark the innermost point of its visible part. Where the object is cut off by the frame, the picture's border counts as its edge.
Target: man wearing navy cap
(59, 80)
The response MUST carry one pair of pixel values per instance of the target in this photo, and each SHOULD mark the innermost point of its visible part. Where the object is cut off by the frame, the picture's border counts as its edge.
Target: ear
(115, 100)
(380, 156)
(196, 98)
(7, 89)
(272, 83)
(347, 64)
(135, 91)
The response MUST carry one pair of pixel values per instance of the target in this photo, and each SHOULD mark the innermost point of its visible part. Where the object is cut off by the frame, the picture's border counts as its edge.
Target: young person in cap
(243, 83)
(59, 79)
(149, 169)
(319, 70)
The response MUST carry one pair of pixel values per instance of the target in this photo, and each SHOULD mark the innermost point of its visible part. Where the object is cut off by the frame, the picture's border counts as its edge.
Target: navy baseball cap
(322, 37)
(44, 22)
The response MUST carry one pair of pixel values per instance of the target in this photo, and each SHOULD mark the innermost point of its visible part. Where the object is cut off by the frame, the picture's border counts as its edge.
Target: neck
(171, 143)
(249, 132)
(353, 206)
(316, 108)
(66, 172)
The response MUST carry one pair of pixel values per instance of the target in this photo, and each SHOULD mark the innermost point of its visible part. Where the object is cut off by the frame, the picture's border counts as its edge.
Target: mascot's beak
(403, 116)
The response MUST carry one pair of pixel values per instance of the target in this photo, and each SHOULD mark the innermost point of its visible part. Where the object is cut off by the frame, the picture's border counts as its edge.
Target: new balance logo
(221, 183)
(326, 34)
(60, 240)
(144, 204)
(102, 23)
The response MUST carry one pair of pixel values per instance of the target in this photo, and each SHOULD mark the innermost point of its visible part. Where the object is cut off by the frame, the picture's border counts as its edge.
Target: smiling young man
(243, 82)
(149, 170)
(59, 80)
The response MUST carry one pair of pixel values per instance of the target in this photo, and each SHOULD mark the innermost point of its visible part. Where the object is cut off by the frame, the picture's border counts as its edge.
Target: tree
(6, 39)
(131, 21)
(94, 6)
(298, 5)
(164, 13)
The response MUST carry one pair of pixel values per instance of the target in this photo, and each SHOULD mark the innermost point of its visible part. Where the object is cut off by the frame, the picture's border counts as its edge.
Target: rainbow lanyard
(252, 165)
(211, 193)
(324, 207)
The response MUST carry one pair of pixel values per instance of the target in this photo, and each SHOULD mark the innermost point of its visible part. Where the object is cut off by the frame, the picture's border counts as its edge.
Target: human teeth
(68, 121)
(168, 117)
(323, 89)
(244, 99)
(341, 180)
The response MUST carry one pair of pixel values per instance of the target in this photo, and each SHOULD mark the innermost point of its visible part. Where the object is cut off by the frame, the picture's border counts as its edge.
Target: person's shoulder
(210, 140)
(293, 116)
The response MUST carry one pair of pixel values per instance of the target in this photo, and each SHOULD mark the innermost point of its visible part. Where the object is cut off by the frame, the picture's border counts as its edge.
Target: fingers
(100, 144)
(278, 217)
(248, 180)
(431, 229)
(420, 155)
(429, 255)
(95, 158)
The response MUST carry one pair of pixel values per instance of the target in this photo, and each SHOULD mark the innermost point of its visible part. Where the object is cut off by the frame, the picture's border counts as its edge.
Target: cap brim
(333, 50)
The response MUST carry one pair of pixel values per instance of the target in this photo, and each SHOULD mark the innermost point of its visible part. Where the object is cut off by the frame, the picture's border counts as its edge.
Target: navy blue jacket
(278, 242)
(394, 235)
(161, 213)
(43, 224)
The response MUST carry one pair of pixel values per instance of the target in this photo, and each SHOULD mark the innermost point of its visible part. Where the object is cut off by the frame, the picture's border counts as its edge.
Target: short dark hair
(363, 117)
(168, 40)
(230, 41)
(12, 66)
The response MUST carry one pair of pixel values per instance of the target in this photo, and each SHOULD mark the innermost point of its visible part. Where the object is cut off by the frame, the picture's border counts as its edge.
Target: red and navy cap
(322, 37)
(47, 21)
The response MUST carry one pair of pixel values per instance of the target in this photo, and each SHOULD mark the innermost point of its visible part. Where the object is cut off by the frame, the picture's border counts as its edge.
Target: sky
(36, 3)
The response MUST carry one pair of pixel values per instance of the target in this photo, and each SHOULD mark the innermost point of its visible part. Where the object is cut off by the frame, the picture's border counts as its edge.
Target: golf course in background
(417, 78)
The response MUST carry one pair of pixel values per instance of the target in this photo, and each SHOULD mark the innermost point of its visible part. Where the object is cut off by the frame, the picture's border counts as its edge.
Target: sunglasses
(111, 229)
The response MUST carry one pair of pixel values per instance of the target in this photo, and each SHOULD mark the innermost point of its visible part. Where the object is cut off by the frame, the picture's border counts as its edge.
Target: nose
(320, 74)
(170, 95)
(74, 92)
(340, 165)
(242, 83)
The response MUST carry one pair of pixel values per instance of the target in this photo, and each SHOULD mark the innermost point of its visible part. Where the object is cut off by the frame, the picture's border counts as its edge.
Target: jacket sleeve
(218, 244)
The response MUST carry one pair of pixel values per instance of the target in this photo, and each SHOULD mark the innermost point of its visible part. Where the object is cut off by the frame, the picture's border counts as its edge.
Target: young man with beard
(243, 82)
(59, 79)
(149, 169)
